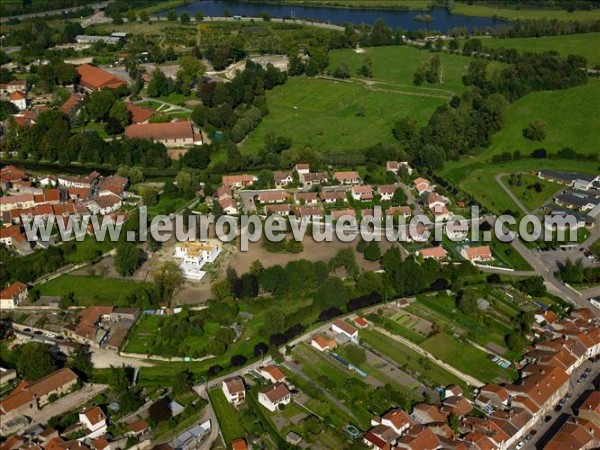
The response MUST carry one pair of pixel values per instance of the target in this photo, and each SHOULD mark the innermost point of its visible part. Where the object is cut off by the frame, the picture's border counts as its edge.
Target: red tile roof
(161, 131)
(95, 78)
(13, 290)
(72, 102)
(139, 114)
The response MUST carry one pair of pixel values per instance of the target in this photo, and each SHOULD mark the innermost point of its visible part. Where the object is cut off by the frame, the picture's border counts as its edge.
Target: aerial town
(447, 125)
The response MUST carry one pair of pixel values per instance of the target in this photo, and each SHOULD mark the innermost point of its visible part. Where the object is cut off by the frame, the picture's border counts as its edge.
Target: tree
(535, 131)
(34, 361)
(238, 360)
(190, 72)
(199, 16)
(405, 129)
(149, 195)
(372, 251)
(160, 411)
(266, 16)
(7, 109)
(81, 363)
(172, 15)
(159, 85)
(184, 18)
(516, 341)
(226, 12)
(399, 198)
(313, 425)
(183, 382)
(119, 112)
(127, 259)
(144, 16)
(168, 277)
(366, 70)
(467, 302)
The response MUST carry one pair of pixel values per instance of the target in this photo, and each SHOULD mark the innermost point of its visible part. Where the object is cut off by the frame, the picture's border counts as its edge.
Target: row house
(302, 169)
(238, 181)
(273, 196)
(386, 191)
(282, 178)
(330, 197)
(278, 210)
(362, 193)
(310, 179)
(311, 212)
(350, 177)
(306, 198)
(87, 182)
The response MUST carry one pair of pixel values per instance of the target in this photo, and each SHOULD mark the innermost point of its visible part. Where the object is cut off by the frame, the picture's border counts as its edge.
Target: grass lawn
(89, 249)
(572, 120)
(228, 417)
(177, 99)
(514, 14)
(97, 127)
(466, 358)
(410, 360)
(585, 44)
(398, 64)
(90, 290)
(335, 117)
(526, 193)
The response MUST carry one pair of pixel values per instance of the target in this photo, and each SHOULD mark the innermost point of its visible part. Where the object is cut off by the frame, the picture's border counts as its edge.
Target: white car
(520, 445)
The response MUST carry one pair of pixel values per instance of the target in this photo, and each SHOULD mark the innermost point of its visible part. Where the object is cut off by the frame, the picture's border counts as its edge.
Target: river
(442, 20)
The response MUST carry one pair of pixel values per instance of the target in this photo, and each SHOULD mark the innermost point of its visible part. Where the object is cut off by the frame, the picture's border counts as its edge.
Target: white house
(272, 373)
(19, 99)
(282, 178)
(322, 343)
(397, 420)
(13, 295)
(194, 256)
(273, 396)
(229, 205)
(302, 169)
(341, 327)
(386, 191)
(474, 254)
(362, 193)
(234, 390)
(95, 421)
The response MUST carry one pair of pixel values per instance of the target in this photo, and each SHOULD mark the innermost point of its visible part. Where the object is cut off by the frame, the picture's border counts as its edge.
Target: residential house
(7, 375)
(94, 78)
(194, 256)
(274, 395)
(386, 191)
(138, 428)
(494, 395)
(422, 185)
(576, 200)
(171, 134)
(22, 201)
(234, 390)
(341, 327)
(86, 182)
(361, 322)
(309, 179)
(306, 198)
(273, 196)
(282, 178)
(476, 254)
(398, 211)
(337, 214)
(19, 99)
(396, 419)
(13, 86)
(272, 373)
(94, 420)
(13, 295)
(311, 212)
(362, 193)
(575, 433)
(229, 205)
(434, 200)
(114, 184)
(590, 408)
(278, 210)
(239, 444)
(238, 181)
(302, 169)
(139, 114)
(322, 343)
(72, 105)
(424, 413)
(394, 166)
(347, 177)
(437, 253)
(329, 197)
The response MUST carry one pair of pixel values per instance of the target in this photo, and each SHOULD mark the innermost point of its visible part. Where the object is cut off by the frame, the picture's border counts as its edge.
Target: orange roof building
(95, 78)
(170, 134)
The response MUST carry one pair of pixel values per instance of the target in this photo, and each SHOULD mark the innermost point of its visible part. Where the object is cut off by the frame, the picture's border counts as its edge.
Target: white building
(95, 421)
(194, 256)
(13, 295)
(273, 396)
(234, 390)
(341, 327)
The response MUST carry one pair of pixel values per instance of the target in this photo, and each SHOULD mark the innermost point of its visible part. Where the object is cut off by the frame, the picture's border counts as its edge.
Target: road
(64, 404)
(55, 12)
(512, 196)
(579, 392)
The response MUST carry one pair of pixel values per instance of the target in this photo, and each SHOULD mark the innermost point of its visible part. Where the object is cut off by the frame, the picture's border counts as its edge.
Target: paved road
(67, 403)
(54, 12)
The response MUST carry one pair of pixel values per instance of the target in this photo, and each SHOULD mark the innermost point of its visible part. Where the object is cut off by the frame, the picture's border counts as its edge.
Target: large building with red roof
(94, 78)
(171, 134)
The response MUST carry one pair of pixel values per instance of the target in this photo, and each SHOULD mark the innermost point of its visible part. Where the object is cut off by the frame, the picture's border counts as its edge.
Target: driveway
(67, 403)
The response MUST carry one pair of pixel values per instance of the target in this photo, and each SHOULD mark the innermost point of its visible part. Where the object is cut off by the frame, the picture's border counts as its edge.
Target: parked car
(520, 445)
(27, 330)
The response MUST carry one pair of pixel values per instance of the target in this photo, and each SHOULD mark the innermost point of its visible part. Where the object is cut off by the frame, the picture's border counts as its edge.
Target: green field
(90, 290)
(323, 114)
(228, 417)
(409, 360)
(397, 65)
(528, 196)
(572, 120)
(466, 358)
(521, 14)
(585, 44)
